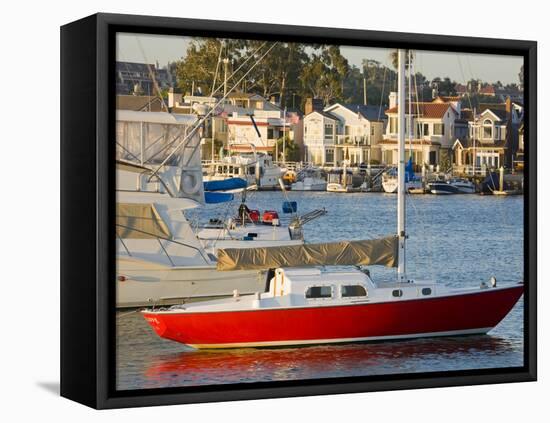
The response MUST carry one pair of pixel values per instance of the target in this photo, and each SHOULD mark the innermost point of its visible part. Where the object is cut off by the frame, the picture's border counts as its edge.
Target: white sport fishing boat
(309, 179)
(306, 305)
(161, 257)
(257, 169)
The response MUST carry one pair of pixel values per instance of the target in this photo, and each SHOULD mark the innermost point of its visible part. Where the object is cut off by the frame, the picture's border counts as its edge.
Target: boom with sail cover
(369, 252)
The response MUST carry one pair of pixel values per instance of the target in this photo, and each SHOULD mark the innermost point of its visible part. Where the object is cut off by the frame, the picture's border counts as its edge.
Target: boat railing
(159, 239)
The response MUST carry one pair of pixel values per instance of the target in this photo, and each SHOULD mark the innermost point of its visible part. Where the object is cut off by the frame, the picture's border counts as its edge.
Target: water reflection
(197, 367)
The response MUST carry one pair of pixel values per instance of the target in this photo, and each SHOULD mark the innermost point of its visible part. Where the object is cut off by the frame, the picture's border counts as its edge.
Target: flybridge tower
(401, 167)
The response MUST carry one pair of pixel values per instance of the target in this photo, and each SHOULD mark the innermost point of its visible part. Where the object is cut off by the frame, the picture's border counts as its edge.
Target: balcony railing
(352, 140)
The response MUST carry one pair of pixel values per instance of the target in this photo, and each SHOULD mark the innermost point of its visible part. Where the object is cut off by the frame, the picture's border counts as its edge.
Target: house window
(393, 125)
(314, 292)
(329, 131)
(426, 129)
(487, 129)
(439, 129)
(270, 133)
(353, 291)
(329, 155)
(372, 130)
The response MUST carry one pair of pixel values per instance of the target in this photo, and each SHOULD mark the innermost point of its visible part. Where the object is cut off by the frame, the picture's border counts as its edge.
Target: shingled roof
(139, 103)
(369, 112)
(426, 110)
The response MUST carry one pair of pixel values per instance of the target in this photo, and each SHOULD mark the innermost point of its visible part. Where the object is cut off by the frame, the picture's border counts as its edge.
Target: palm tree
(395, 60)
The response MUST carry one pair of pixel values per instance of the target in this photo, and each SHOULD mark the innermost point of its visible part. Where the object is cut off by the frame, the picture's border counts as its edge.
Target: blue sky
(459, 67)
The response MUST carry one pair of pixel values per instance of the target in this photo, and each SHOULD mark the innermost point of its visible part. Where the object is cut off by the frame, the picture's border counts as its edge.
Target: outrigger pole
(401, 276)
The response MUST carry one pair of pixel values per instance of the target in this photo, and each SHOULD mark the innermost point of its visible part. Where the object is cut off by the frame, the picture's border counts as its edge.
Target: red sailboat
(309, 305)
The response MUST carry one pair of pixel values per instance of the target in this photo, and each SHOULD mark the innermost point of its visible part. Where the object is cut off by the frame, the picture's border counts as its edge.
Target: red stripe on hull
(397, 318)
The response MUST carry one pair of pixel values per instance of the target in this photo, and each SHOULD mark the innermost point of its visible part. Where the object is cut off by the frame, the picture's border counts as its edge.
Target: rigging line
(217, 68)
(474, 129)
(382, 93)
(151, 74)
(242, 64)
(424, 225)
(201, 121)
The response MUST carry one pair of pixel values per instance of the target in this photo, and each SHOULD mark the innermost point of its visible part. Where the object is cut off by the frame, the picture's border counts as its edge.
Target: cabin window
(319, 292)
(426, 291)
(397, 293)
(353, 291)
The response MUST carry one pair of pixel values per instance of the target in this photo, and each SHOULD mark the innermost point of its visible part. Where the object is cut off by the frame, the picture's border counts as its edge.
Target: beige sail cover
(377, 251)
(140, 221)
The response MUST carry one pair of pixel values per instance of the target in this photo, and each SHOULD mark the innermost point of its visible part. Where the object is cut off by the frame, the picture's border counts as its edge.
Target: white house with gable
(343, 132)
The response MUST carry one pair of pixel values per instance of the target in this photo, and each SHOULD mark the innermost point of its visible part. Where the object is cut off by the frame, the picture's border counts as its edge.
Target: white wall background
(29, 301)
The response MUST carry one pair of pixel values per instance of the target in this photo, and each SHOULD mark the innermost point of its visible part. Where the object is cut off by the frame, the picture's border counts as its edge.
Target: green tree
(198, 68)
(291, 149)
(323, 76)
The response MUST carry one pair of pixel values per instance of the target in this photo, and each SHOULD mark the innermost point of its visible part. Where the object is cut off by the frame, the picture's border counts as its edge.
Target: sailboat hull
(458, 314)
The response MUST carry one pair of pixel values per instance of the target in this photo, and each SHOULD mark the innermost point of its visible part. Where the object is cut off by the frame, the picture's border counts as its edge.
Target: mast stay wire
(203, 119)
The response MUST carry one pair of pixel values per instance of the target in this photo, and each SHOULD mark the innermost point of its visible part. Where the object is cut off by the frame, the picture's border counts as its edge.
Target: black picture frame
(88, 199)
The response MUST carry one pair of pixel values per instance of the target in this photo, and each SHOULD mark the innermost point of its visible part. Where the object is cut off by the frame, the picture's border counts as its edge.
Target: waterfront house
(339, 132)
(493, 137)
(258, 128)
(433, 132)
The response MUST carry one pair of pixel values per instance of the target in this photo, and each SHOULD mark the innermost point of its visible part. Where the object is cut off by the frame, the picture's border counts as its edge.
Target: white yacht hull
(390, 185)
(142, 283)
(313, 185)
(336, 187)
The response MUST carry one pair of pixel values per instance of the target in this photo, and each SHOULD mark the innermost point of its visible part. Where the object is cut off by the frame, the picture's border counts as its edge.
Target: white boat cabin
(316, 287)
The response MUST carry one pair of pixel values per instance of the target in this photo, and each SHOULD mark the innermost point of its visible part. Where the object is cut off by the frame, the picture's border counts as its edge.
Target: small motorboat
(309, 179)
(337, 187)
(452, 186)
(390, 181)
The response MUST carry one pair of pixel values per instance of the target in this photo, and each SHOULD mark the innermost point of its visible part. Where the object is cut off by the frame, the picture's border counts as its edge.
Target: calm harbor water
(459, 240)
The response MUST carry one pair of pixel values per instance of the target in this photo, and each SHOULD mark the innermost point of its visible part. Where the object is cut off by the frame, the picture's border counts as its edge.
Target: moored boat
(452, 186)
(309, 179)
(310, 306)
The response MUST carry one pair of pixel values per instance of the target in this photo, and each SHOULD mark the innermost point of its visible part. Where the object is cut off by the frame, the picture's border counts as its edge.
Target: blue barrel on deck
(290, 206)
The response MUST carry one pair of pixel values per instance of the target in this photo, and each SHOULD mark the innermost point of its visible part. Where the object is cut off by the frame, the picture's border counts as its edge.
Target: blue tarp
(217, 197)
(409, 172)
(225, 185)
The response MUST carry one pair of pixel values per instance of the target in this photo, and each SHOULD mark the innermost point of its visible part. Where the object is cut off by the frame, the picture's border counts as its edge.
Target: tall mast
(401, 166)
(409, 60)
